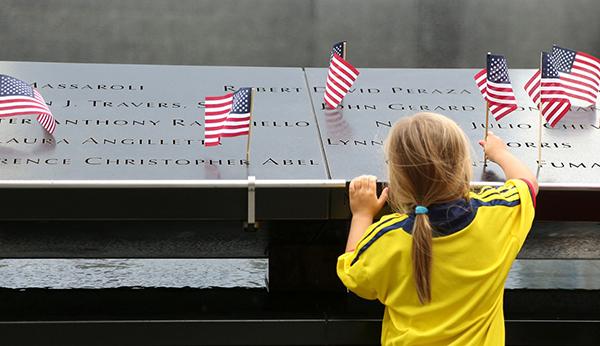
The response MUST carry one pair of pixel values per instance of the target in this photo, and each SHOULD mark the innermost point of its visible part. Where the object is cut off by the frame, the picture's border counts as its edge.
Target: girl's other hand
(363, 196)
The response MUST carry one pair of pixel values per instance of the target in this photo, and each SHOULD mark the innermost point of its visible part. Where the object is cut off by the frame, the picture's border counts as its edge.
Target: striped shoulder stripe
(510, 194)
(484, 189)
(397, 223)
(492, 192)
(383, 222)
(476, 203)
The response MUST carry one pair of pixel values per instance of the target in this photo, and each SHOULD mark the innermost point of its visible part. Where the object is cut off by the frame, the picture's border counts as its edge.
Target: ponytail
(421, 256)
(429, 162)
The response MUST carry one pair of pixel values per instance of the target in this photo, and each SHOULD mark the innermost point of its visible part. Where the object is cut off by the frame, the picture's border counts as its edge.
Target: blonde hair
(428, 162)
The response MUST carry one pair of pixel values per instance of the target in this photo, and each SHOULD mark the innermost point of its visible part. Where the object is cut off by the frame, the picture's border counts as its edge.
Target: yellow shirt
(470, 262)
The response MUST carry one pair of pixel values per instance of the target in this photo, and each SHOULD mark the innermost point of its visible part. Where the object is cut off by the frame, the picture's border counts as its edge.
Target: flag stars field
(227, 116)
(12, 86)
(579, 73)
(563, 59)
(494, 84)
(338, 48)
(547, 92)
(19, 98)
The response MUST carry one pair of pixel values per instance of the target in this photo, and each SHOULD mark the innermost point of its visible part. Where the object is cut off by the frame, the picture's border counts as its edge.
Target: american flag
(338, 48)
(580, 74)
(19, 98)
(340, 78)
(227, 116)
(546, 87)
(494, 84)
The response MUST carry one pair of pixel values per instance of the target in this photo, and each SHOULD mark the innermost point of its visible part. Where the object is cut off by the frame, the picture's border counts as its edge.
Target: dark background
(381, 33)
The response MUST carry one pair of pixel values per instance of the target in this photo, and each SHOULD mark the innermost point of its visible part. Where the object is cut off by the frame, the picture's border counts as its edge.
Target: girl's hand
(363, 197)
(493, 147)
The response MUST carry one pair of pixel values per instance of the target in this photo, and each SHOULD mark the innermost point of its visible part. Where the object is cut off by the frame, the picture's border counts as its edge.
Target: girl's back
(474, 240)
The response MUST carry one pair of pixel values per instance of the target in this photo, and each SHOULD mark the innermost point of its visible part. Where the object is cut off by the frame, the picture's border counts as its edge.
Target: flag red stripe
(214, 121)
(235, 134)
(591, 82)
(589, 68)
(47, 121)
(552, 91)
(333, 90)
(583, 91)
(579, 97)
(21, 113)
(558, 117)
(211, 143)
(586, 88)
(213, 135)
(342, 74)
(591, 57)
(480, 73)
(29, 106)
(335, 76)
(553, 103)
(340, 60)
(331, 104)
(221, 120)
(554, 111)
(218, 98)
(501, 99)
(235, 127)
(502, 111)
(532, 79)
(208, 112)
(11, 99)
(499, 89)
(340, 78)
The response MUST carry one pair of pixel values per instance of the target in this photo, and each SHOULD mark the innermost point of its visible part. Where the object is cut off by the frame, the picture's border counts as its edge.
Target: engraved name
(146, 104)
(77, 86)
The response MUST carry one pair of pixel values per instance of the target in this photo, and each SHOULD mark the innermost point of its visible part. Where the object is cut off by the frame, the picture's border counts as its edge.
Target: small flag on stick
(340, 77)
(579, 73)
(227, 116)
(19, 98)
(547, 91)
(494, 84)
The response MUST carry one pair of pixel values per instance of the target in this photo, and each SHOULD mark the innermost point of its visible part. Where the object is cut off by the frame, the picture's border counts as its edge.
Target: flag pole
(541, 116)
(344, 54)
(250, 127)
(487, 125)
(487, 114)
(540, 138)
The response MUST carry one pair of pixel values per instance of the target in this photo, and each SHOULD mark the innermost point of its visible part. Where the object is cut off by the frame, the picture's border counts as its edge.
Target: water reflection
(113, 273)
(554, 274)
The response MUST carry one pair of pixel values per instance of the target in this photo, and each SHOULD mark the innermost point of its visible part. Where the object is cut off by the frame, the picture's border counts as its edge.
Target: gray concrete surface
(381, 33)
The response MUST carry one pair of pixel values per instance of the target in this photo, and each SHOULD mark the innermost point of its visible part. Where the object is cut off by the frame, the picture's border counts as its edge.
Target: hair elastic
(421, 210)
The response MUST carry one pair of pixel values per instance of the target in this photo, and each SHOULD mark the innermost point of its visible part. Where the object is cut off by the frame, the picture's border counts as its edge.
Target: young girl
(439, 264)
